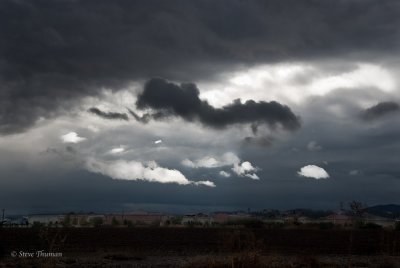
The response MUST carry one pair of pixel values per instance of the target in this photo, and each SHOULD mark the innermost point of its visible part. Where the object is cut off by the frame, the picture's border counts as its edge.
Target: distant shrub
(297, 223)
(176, 220)
(37, 225)
(67, 221)
(83, 222)
(128, 223)
(114, 222)
(96, 222)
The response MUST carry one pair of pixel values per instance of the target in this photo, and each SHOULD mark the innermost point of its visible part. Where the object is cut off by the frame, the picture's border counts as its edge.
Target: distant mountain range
(389, 211)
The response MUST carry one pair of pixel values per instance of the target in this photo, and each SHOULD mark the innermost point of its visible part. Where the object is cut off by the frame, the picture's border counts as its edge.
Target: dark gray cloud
(183, 100)
(52, 53)
(145, 118)
(379, 110)
(259, 141)
(108, 115)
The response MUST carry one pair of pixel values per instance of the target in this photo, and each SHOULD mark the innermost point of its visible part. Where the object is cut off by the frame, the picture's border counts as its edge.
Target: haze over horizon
(208, 105)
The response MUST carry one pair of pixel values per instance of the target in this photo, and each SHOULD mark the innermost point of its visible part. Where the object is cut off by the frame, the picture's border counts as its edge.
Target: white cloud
(293, 82)
(313, 146)
(252, 176)
(133, 170)
(226, 159)
(206, 183)
(207, 162)
(354, 172)
(224, 174)
(312, 171)
(117, 150)
(188, 163)
(245, 169)
(158, 141)
(72, 137)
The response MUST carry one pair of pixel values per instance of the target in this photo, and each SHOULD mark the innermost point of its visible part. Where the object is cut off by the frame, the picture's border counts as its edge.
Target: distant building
(339, 219)
(45, 219)
(82, 220)
(223, 217)
(199, 219)
(305, 220)
(141, 218)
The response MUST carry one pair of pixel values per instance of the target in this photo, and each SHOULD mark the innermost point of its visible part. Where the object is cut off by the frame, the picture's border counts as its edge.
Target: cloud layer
(47, 65)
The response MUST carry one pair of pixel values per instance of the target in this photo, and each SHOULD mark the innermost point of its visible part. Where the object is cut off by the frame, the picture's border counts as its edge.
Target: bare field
(199, 247)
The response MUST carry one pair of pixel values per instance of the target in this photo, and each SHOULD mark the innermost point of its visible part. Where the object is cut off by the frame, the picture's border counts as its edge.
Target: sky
(188, 106)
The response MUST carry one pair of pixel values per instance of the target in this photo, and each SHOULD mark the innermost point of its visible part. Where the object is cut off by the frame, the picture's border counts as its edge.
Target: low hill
(389, 211)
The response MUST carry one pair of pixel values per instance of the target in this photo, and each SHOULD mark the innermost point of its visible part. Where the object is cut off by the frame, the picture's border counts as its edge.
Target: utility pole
(2, 218)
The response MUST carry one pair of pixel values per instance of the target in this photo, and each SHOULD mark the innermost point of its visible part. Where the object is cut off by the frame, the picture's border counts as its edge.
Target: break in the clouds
(169, 99)
(226, 159)
(117, 150)
(72, 137)
(134, 170)
(312, 171)
(108, 115)
(379, 110)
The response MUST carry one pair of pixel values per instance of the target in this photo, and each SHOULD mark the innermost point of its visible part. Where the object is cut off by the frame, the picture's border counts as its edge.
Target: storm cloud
(379, 110)
(57, 52)
(108, 115)
(183, 100)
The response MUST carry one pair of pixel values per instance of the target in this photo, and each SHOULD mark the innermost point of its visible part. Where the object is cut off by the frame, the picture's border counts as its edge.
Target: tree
(357, 208)
(67, 220)
(114, 222)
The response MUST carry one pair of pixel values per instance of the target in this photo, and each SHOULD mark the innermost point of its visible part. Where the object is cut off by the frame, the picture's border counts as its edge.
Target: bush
(176, 220)
(128, 223)
(114, 222)
(96, 222)
(37, 225)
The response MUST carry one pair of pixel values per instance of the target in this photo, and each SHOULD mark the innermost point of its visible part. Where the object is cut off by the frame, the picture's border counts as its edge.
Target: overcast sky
(198, 105)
